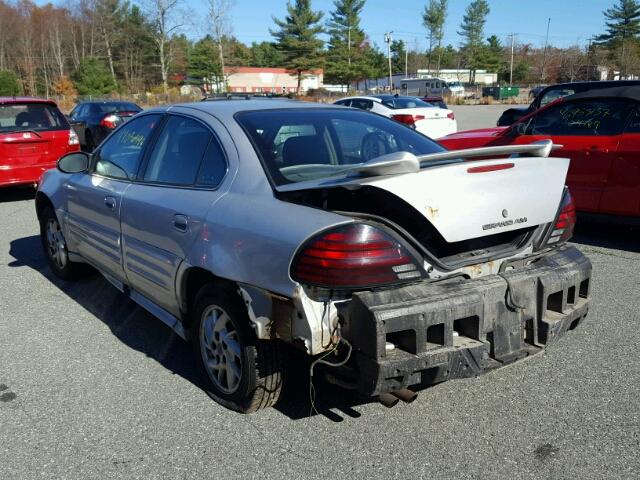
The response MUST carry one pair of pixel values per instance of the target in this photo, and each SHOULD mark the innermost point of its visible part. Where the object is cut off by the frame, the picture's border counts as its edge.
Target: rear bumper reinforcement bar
(431, 332)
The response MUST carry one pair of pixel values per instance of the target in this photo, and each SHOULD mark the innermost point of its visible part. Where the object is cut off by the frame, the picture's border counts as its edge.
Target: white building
(459, 75)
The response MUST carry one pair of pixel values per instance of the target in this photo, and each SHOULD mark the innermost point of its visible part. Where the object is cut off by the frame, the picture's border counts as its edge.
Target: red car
(33, 135)
(598, 130)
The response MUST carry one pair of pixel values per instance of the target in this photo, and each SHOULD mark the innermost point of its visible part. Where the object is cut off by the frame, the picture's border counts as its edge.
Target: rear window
(31, 116)
(407, 102)
(309, 144)
(117, 107)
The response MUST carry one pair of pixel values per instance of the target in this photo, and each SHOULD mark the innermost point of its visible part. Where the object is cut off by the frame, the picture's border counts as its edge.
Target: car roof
(630, 91)
(102, 102)
(231, 107)
(589, 85)
(14, 100)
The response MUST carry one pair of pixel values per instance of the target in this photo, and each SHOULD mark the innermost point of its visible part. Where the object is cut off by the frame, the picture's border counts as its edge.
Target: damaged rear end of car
(449, 264)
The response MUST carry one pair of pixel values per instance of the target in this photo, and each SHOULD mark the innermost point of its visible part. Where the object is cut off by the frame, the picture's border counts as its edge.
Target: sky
(572, 21)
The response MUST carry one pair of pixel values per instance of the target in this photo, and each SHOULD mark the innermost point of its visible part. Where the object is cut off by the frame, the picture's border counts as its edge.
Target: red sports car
(33, 135)
(598, 130)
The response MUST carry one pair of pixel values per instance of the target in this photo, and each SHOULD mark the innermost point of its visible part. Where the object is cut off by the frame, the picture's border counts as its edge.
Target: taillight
(564, 222)
(110, 121)
(451, 115)
(407, 119)
(73, 138)
(352, 257)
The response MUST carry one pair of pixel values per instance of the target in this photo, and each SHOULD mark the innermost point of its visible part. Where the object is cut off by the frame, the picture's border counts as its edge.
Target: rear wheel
(239, 371)
(55, 248)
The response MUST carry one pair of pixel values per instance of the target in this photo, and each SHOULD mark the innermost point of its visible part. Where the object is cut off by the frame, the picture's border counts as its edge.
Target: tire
(239, 371)
(54, 246)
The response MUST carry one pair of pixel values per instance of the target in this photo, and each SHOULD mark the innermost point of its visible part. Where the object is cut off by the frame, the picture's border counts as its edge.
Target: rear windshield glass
(118, 107)
(405, 102)
(31, 116)
(310, 144)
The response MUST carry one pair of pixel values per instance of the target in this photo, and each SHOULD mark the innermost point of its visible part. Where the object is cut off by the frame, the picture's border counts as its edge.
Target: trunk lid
(29, 148)
(472, 199)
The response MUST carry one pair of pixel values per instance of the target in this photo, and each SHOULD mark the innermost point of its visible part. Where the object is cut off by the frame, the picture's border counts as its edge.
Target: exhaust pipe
(387, 400)
(406, 395)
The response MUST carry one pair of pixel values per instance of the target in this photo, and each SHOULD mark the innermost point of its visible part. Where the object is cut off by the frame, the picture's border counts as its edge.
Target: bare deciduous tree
(164, 16)
(220, 26)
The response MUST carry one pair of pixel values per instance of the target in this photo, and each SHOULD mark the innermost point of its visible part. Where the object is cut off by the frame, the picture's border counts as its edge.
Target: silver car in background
(249, 226)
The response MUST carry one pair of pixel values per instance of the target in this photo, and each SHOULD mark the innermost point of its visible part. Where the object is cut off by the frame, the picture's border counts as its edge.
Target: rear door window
(581, 118)
(186, 153)
(31, 116)
(119, 157)
(362, 103)
(633, 123)
(555, 94)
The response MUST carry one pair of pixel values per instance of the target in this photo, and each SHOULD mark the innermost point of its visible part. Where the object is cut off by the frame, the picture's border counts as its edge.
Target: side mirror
(75, 162)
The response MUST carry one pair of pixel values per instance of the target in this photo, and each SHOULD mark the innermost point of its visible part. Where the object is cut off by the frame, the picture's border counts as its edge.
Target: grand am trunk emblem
(26, 135)
(505, 223)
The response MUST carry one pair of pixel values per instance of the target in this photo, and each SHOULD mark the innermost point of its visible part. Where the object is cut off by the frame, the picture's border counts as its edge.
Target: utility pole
(388, 39)
(591, 72)
(349, 43)
(544, 53)
(513, 39)
(406, 63)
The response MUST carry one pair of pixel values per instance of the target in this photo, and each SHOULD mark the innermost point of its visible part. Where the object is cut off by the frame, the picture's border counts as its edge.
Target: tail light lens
(451, 115)
(352, 257)
(407, 119)
(565, 221)
(110, 121)
(73, 138)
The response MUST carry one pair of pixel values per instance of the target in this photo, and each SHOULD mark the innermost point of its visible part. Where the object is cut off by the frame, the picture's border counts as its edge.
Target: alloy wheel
(56, 244)
(221, 350)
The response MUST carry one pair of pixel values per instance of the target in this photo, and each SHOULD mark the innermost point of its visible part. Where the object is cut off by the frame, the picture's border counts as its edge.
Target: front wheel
(55, 248)
(239, 371)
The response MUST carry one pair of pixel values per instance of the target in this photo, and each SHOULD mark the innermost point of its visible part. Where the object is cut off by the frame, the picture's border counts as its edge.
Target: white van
(430, 87)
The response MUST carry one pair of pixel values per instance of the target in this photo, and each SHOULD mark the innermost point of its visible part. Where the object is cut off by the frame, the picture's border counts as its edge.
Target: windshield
(454, 84)
(309, 144)
(31, 116)
(405, 102)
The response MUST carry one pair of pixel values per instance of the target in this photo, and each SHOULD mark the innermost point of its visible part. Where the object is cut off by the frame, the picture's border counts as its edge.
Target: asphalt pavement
(92, 387)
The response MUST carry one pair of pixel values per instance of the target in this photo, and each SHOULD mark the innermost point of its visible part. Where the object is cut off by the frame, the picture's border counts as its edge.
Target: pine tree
(493, 58)
(204, 62)
(92, 77)
(623, 28)
(9, 84)
(297, 38)
(346, 52)
(266, 54)
(472, 29)
(433, 18)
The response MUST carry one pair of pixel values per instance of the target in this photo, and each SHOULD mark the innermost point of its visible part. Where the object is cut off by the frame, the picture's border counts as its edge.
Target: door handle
(180, 222)
(110, 203)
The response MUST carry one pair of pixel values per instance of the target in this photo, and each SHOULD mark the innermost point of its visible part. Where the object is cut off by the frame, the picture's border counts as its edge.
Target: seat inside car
(305, 149)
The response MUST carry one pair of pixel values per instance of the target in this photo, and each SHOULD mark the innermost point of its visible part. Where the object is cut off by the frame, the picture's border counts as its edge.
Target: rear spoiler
(540, 148)
(405, 162)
